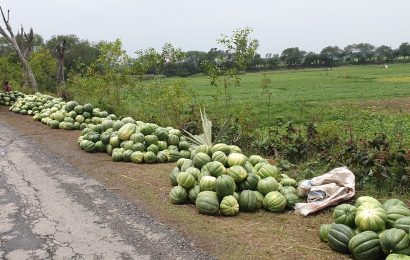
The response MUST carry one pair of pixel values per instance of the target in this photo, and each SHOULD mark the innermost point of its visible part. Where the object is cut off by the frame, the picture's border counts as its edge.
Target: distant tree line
(331, 56)
(171, 61)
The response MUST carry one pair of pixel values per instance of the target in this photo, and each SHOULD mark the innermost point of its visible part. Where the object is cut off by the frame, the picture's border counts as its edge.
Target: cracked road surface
(49, 210)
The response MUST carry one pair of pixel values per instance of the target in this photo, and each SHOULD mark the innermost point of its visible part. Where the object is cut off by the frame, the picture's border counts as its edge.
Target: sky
(195, 25)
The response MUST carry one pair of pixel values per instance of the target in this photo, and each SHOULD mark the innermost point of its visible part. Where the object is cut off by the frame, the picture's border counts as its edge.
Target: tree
(257, 62)
(60, 67)
(272, 61)
(312, 59)
(292, 56)
(11, 38)
(151, 60)
(44, 65)
(105, 78)
(404, 50)
(384, 53)
(147, 60)
(361, 52)
(78, 54)
(240, 50)
(330, 55)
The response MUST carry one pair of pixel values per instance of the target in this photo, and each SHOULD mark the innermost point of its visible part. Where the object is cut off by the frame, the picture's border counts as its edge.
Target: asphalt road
(49, 210)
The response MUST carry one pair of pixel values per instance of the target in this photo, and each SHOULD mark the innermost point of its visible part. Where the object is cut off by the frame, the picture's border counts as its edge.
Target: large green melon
(224, 186)
(247, 201)
(339, 237)
(207, 202)
(274, 202)
(365, 245)
(345, 214)
(178, 195)
(229, 206)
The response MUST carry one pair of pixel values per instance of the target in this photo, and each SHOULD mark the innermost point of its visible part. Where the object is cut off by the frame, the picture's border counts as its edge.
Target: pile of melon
(369, 229)
(222, 180)
(9, 98)
(135, 141)
(56, 113)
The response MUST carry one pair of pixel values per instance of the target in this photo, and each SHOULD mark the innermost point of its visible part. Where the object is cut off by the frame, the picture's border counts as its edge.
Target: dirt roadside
(258, 235)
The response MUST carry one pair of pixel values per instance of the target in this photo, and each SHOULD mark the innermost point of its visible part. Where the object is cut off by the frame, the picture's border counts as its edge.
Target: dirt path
(49, 210)
(259, 235)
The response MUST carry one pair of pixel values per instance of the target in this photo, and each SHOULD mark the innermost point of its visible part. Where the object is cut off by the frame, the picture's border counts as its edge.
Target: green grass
(302, 95)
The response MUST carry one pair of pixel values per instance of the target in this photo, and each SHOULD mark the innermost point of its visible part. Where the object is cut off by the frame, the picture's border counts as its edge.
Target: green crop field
(305, 94)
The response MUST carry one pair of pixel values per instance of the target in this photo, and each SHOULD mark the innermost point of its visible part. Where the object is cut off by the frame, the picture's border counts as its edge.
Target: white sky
(195, 25)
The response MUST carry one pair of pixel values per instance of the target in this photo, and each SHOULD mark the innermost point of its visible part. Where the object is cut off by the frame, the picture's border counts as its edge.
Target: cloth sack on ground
(326, 190)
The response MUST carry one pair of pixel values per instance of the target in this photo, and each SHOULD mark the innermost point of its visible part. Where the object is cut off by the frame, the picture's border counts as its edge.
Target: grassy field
(301, 95)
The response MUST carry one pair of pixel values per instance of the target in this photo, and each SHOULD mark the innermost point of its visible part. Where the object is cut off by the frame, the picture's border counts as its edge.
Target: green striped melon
(186, 180)
(201, 159)
(207, 183)
(274, 201)
(267, 185)
(247, 201)
(395, 241)
(229, 206)
(370, 216)
(150, 157)
(339, 237)
(193, 193)
(137, 157)
(207, 202)
(236, 159)
(345, 214)
(365, 245)
(224, 186)
(178, 195)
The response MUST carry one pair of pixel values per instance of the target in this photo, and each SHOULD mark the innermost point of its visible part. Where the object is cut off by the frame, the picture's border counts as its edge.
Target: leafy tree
(292, 56)
(361, 52)
(330, 55)
(404, 50)
(105, 78)
(272, 61)
(150, 60)
(240, 50)
(10, 71)
(44, 66)
(79, 53)
(257, 62)
(312, 59)
(384, 53)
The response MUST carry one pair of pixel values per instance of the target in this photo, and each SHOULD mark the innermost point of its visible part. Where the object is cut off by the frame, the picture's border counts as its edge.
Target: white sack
(327, 190)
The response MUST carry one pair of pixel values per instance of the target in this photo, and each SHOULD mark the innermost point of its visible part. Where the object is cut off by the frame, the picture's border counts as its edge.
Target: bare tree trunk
(12, 39)
(60, 66)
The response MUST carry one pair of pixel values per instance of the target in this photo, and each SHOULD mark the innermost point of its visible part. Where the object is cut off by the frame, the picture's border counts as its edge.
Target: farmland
(301, 95)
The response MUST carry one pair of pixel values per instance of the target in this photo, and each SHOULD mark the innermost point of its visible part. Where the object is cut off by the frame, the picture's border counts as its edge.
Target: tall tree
(312, 59)
(11, 38)
(330, 55)
(292, 56)
(361, 52)
(384, 53)
(78, 53)
(404, 50)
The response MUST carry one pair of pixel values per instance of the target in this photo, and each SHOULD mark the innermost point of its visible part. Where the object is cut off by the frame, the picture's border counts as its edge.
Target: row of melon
(10, 97)
(220, 179)
(369, 229)
(59, 114)
(135, 141)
